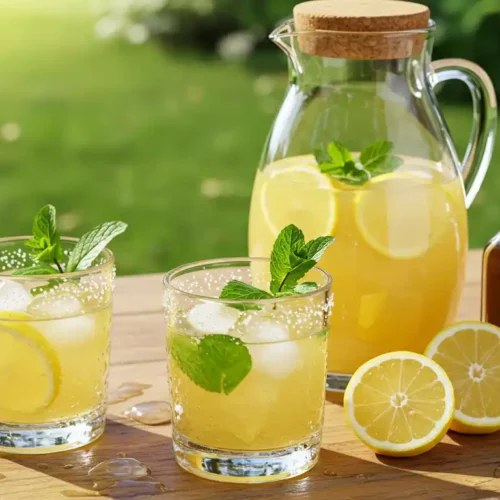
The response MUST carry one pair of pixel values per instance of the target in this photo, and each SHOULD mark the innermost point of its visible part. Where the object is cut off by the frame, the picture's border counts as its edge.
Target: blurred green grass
(114, 131)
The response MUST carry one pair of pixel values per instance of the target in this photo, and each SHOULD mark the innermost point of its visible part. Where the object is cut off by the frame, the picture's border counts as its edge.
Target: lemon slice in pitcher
(401, 214)
(400, 403)
(30, 371)
(296, 192)
(469, 352)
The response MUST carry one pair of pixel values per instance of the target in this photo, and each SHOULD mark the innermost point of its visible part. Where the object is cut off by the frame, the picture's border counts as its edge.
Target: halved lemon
(399, 403)
(296, 192)
(469, 352)
(401, 214)
(30, 371)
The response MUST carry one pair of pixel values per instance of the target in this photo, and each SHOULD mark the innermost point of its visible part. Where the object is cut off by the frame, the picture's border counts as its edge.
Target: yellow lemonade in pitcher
(397, 262)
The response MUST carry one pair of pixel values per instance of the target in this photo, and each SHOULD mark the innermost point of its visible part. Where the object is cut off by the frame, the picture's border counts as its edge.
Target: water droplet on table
(120, 478)
(127, 390)
(329, 473)
(119, 468)
(151, 412)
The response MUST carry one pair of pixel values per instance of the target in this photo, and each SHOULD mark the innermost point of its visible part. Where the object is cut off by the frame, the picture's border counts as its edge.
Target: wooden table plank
(459, 468)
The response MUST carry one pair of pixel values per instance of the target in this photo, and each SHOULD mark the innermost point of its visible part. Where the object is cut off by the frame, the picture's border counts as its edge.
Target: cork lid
(361, 29)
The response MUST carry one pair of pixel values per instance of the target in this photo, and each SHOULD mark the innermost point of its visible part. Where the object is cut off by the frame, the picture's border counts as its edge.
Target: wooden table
(461, 467)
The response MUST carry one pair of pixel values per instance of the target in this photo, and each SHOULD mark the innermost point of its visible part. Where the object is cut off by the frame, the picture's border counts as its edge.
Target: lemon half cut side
(400, 403)
(469, 352)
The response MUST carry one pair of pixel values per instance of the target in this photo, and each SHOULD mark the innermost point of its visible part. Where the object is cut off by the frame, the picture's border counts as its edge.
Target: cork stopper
(361, 29)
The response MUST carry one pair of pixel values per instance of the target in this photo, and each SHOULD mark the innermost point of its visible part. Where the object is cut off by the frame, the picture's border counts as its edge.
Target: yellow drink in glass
(398, 260)
(267, 425)
(54, 353)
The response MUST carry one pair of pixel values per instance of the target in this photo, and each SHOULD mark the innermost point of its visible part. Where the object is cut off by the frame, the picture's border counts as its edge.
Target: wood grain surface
(459, 468)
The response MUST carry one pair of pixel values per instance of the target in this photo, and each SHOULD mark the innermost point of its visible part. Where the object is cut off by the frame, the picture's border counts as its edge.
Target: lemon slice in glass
(400, 403)
(296, 192)
(469, 352)
(401, 214)
(30, 371)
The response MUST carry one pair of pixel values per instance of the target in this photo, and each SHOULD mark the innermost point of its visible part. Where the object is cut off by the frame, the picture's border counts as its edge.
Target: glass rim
(110, 260)
(280, 32)
(172, 274)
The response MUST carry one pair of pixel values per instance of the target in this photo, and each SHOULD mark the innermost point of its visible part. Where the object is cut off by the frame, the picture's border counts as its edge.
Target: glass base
(32, 439)
(337, 382)
(246, 467)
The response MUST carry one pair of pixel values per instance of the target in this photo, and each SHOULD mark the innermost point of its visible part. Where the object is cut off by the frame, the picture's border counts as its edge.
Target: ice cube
(72, 324)
(272, 350)
(13, 296)
(212, 317)
(276, 360)
(259, 328)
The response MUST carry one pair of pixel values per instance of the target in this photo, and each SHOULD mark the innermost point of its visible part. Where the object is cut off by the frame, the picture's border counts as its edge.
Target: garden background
(155, 112)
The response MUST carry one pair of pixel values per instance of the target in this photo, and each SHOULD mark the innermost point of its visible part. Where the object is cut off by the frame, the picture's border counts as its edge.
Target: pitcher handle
(484, 107)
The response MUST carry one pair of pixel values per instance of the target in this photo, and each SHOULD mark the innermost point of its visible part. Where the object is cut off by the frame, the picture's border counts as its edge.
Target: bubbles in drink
(151, 412)
(13, 296)
(127, 390)
(213, 318)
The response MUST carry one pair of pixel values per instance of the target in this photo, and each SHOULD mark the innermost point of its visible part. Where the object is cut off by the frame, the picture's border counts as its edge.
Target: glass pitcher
(361, 151)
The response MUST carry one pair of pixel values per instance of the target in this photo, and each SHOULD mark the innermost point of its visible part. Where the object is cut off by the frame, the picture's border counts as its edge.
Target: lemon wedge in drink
(400, 214)
(30, 371)
(296, 192)
(469, 352)
(400, 403)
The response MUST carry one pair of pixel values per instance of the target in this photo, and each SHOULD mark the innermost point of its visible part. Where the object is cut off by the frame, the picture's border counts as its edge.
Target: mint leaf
(306, 287)
(285, 256)
(38, 270)
(339, 154)
(46, 241)
(44, 225)
(316, 248)
(239, 290)
(376, 155)
(92, 244)
(291, 258)
(216, 363)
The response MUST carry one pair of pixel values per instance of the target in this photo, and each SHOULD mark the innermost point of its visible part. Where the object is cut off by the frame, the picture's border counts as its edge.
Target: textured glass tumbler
(54, 352)
(247, 378)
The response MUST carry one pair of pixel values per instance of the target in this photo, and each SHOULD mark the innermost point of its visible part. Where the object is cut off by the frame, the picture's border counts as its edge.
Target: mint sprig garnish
(376, 159)
(217, 363)
(291, 259)
(48, 253)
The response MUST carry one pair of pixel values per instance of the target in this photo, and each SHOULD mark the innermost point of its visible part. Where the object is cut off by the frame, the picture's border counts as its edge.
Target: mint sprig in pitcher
(360, 150)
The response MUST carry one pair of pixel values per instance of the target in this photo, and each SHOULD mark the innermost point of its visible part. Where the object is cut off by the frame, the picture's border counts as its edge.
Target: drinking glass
(247, 378)
(54, 352)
